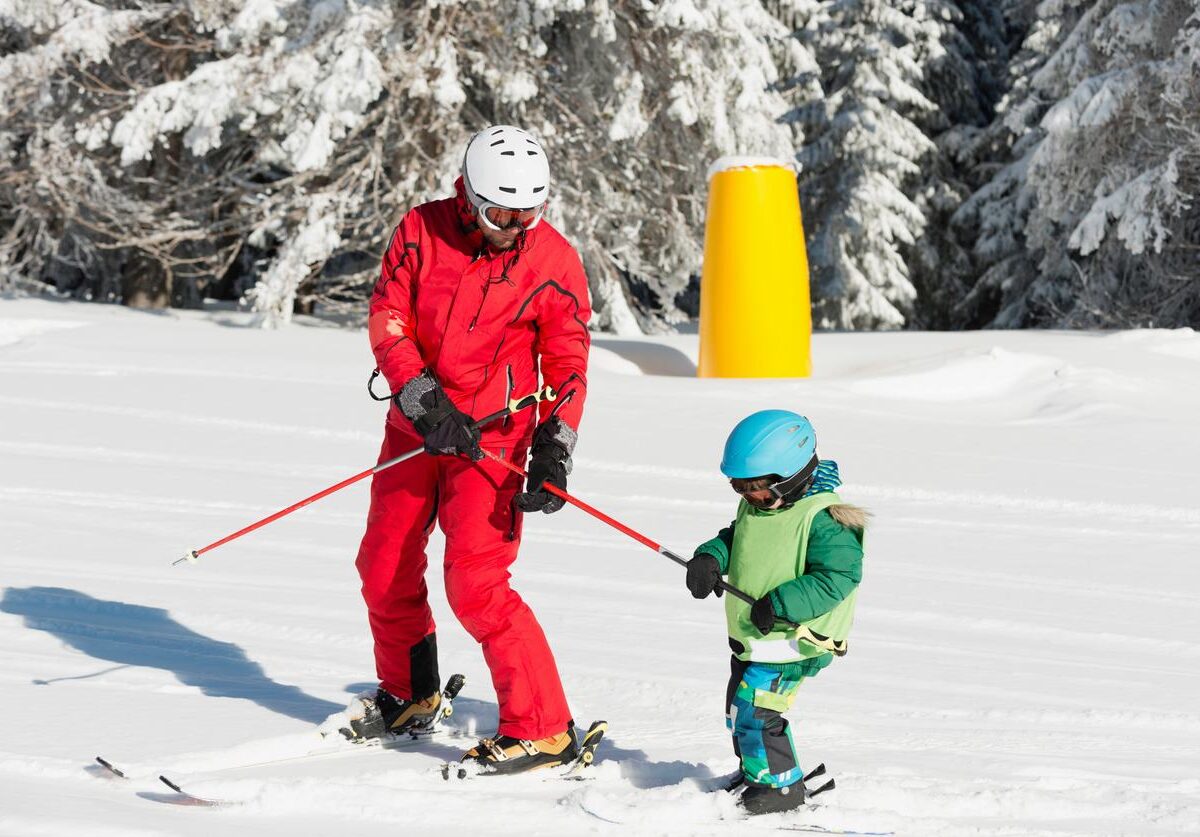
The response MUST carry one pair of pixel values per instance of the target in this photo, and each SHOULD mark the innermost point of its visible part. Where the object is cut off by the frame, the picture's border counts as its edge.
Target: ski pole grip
(515, 405)
(546, 393)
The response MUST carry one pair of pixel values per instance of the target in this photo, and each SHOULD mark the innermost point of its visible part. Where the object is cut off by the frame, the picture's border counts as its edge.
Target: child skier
(798, 548)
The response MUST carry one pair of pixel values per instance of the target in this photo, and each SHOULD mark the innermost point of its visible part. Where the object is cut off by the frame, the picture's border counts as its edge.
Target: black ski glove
(447, 430)
(762, 614)
(549, 462)
(703, 575)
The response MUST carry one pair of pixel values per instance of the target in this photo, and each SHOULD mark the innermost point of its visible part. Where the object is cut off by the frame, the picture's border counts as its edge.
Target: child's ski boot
(760, 799)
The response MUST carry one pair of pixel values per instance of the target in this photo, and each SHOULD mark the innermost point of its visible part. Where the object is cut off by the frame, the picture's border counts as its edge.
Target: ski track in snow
(83, 369)
(1024, 661)
(187, 418)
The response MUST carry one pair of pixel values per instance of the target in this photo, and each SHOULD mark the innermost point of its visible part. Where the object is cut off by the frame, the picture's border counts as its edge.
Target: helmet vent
(507, 166)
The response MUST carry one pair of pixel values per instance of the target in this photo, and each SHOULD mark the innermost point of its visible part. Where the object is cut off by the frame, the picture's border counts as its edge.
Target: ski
(328, 744)
(587, 756)
(182, 797)
(110, 771)
(571, 770)
(843, 832)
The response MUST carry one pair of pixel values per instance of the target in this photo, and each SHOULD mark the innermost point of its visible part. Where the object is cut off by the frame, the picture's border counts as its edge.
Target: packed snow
(1024, 660)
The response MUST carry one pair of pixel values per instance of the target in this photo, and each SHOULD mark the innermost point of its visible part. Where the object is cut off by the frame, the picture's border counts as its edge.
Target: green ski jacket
(808, 558)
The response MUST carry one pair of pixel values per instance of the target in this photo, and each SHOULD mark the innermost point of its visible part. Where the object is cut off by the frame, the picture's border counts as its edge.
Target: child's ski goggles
(777, 493)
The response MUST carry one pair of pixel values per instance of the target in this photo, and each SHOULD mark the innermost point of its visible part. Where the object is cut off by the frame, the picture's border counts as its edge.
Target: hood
(466, 217)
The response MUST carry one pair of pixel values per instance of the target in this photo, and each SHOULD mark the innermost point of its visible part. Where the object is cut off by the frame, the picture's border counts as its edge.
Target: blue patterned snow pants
(758, 694)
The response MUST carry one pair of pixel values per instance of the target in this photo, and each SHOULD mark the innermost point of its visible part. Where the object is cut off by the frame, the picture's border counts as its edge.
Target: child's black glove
(762, 614)
(703, 575)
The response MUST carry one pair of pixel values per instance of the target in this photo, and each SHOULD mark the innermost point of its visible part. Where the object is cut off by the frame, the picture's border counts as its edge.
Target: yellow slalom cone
(755, 316)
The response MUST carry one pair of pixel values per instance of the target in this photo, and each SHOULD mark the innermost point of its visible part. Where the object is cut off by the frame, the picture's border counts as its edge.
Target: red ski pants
(472, 503)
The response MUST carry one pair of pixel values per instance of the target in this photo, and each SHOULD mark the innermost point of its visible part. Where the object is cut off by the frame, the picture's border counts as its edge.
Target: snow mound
(975, 374)
(641, 357)
(609, 361)
(1177, 342)
(14, 331)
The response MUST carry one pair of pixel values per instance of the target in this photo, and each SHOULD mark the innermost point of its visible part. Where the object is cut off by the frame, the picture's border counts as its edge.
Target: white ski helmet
(505, 167)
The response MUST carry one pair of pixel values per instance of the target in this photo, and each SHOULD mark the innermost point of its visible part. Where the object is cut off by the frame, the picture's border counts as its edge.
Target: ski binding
(571, 770)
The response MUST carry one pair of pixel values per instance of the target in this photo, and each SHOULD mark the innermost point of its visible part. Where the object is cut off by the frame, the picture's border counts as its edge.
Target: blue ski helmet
(769, 442)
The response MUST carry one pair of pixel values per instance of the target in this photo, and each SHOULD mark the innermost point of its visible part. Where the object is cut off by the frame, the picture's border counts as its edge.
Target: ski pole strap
(371, 391)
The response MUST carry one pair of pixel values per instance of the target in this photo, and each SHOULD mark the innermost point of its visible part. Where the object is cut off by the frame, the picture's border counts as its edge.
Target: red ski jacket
(479, 320)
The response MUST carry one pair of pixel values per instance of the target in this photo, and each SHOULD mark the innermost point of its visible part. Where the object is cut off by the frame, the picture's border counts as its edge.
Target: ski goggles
(501, 218)
(762, 498)
(777, 493)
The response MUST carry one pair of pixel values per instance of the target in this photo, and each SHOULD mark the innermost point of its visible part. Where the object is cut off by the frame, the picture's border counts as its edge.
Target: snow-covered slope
(1025, 659)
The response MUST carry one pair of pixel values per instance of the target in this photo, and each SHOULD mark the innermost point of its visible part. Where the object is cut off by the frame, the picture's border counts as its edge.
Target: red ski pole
(514, 405)
(618, 525)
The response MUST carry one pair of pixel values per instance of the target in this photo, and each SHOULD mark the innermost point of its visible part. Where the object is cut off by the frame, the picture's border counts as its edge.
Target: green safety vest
(769, 549)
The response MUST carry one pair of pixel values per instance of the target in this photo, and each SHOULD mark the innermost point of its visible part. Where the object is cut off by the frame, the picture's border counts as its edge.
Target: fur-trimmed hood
(852, 517)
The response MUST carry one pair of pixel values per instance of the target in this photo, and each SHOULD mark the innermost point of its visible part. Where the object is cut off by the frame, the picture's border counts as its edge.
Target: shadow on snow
(134, 635)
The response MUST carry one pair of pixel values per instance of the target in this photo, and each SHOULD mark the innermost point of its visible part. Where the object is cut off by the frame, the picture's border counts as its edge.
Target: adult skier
(477, 293)
(798, 548)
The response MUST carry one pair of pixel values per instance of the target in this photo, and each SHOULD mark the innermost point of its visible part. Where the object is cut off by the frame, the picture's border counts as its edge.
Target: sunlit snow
(1024, 662)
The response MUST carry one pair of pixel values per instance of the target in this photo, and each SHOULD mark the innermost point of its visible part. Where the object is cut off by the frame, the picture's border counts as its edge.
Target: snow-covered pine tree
(862, 158)
(964, 62)
(213, 146)
(642, 99)
(1092, 219)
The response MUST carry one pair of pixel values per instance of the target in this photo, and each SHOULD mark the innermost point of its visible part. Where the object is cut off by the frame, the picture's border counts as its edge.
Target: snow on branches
(962, 162)
(1091, 222)
(266, 148)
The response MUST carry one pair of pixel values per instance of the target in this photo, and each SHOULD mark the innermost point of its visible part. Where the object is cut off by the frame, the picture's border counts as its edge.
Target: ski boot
(760, 799)
(505, 754)
(382, 714)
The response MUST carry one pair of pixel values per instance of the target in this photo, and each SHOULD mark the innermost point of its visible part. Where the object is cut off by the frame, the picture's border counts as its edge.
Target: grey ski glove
(447, 430)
